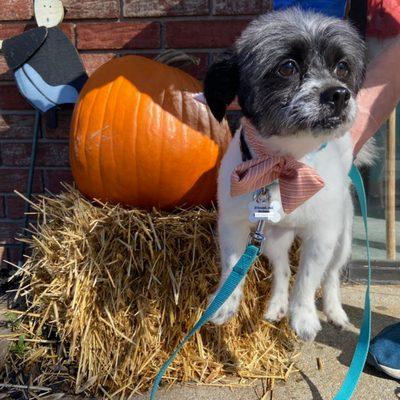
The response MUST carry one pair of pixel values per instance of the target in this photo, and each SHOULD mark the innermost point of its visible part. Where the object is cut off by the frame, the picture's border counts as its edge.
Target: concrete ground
(334, 348)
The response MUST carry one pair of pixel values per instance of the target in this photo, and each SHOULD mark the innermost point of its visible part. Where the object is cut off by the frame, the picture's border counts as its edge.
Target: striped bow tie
(297, 181)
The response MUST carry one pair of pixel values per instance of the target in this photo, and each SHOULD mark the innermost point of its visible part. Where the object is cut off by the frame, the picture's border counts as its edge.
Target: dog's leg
(233, 239)
(276, 248)
(318, 246)
(332, 304)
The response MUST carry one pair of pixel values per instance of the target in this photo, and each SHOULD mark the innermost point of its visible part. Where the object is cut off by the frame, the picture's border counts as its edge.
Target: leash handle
(361, 352)
(238, 273)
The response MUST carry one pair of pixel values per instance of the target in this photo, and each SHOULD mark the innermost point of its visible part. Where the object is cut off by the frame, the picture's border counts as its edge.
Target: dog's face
(293, 71)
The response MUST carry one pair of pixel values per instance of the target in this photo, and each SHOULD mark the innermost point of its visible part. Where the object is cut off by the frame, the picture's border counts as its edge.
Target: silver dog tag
(264, 210)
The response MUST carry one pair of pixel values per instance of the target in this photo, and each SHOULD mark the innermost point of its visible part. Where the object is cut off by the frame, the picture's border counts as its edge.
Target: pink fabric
(297, 181)
(379, 95)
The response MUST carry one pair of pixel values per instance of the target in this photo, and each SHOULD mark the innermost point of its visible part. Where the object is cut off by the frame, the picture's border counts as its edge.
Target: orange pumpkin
(139, 138)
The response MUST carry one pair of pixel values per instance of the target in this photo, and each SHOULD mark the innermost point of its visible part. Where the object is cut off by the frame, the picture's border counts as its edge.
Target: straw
(110, 292)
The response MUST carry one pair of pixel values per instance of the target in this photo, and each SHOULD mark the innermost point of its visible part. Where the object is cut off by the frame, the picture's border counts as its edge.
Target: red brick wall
(101, 29)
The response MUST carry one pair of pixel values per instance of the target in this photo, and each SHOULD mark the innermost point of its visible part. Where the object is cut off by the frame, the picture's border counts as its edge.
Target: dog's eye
(288, 68)
(342, 69)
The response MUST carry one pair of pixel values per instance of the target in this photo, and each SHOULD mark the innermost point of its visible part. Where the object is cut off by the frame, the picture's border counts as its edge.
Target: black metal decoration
(48, 72)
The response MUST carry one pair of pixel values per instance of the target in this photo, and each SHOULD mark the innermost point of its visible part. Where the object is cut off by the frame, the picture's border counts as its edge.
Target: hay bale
(111, 292)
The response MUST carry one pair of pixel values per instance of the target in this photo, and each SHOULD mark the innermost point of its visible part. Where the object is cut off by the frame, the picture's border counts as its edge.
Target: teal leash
(241, 269)
(361, 352)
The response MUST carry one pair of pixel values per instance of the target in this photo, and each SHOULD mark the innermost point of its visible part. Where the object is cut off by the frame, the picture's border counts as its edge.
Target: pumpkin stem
(177, 57)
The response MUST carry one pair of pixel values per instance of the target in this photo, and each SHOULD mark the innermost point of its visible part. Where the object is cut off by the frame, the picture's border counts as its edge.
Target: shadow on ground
(345, 340)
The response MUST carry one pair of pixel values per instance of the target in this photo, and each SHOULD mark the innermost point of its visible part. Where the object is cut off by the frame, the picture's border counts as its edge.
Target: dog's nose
(337, 96)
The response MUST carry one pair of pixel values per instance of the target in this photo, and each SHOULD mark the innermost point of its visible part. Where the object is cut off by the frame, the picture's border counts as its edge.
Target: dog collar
(244, 148)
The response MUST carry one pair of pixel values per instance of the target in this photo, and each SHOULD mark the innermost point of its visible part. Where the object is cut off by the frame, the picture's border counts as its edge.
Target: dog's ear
(221, 86)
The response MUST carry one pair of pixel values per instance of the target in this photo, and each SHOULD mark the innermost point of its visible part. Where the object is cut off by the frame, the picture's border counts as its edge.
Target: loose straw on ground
(111, 292)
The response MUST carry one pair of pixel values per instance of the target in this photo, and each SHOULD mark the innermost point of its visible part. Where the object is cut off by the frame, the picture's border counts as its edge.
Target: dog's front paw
(337, 316)
(277, 309)
(227, 310)
(304, 321)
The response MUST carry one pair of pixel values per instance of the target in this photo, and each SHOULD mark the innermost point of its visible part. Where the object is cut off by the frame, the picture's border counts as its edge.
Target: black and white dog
(296, 75)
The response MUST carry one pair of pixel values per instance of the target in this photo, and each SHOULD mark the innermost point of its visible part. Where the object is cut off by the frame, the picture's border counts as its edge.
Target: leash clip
(257, 237)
